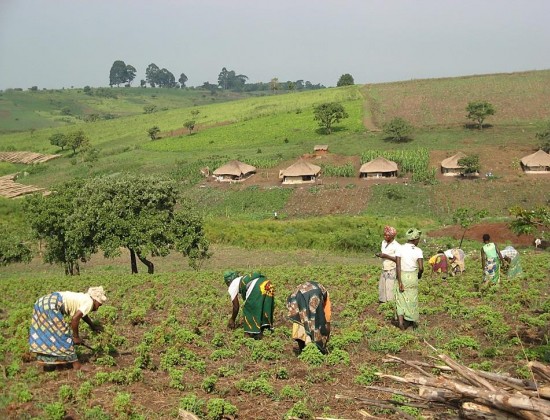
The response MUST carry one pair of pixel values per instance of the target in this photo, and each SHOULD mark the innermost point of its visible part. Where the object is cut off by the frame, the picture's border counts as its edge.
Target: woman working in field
(310, 310)
(410, 266)
(491, 260)
(258, 295)
(50, 337)
(386, 284)
(455, 261)
(439, 264)
(512, 265)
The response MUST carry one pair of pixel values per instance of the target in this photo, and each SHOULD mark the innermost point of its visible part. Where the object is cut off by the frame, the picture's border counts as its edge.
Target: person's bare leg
(401, 321)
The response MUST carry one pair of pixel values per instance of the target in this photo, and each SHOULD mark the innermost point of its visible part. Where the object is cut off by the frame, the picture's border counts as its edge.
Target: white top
(233, 289)
(73, 302)
(449, 253)
(409, 254)
(389, 249)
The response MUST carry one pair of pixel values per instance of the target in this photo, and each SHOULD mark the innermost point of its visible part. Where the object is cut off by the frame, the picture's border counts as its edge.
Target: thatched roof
(25, 157)
(234, 168)
(452, 162)
(379, 164)
(301, 168)
(320, 147)
(539, 158)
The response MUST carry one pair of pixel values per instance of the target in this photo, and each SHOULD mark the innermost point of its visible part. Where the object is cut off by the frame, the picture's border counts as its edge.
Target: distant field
(519, 98)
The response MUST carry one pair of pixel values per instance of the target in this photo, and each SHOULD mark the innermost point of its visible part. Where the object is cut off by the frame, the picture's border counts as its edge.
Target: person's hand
(97, 328)
(401, 287)
(77, 341)
(231, 324)
(419, 275)
(377, 254)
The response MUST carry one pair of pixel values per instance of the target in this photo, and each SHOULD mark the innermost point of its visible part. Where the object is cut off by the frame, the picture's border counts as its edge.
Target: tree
(12, 250)
(78, 140)
(274, 85)
(138, 213)
(544, 137)
(50, 218)
(117, 75)
(345, 80)
(223, 79)
(130, 74)
(59, 140)
(183, 79)
(190, 125)
(152, 74)
(466, 218)
(153, 132)
(470, 164)
(398, 130)
(478, 111)
(166, 79)
(328, 114)
(529, 221)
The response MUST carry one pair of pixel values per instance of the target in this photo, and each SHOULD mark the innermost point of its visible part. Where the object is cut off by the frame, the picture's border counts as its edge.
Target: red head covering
(390, 231)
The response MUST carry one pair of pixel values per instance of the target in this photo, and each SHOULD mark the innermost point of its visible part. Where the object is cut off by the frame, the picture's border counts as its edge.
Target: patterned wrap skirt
(50, 336)
(407, 301)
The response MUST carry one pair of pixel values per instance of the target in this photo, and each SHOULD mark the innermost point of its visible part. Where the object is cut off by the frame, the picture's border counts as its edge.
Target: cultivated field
(166, 345)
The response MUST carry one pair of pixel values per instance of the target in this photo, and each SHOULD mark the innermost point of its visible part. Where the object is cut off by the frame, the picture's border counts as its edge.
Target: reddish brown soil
(500, 234)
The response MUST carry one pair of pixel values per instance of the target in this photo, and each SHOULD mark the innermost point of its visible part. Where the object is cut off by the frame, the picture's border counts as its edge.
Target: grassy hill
(165, 344)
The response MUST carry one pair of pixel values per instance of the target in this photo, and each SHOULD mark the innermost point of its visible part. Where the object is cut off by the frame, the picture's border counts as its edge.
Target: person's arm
(398, 273)
(75, 321)
(93, 327)
(499, 255)
(482, 259)
(385, 256)
(234, 313)
(420, 263)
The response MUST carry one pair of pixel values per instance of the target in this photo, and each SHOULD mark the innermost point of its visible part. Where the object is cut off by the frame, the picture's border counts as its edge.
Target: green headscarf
(229, 276)
(413, 234)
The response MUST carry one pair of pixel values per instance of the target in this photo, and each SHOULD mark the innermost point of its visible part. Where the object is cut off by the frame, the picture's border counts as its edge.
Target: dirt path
(368, 106)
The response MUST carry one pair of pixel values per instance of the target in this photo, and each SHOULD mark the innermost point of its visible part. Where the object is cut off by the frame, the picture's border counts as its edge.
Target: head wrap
(390, 231)
(97, 294)
(229, 276)
(413, 234)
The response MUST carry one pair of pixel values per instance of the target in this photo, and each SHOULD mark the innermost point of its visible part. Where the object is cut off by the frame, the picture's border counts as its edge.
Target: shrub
(193, 404)
(218, 408)
(55, 411)
(300, 411)
(312, 355)
(66, 393)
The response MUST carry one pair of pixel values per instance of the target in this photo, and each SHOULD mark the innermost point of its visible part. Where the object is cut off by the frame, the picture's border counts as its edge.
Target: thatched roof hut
(320, 149)
(378, 168)
(300, 172)
(234, 171)
(450, 166)
(538, 162)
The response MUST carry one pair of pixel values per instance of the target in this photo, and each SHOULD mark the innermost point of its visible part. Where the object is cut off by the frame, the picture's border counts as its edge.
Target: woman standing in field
(491, 260)
(389, 247)
(310, 311)
(50, 336)
(409, 267)
(258, 295)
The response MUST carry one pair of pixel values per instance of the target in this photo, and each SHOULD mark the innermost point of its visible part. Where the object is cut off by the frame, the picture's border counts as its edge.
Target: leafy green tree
(117, 75)
(130, 74)
(398, 130)
(228, 79)
(13, 250)
(183, 79)
(166, 79)
(345, 80)
(543, 136)
(530, 221)
(470, 164)
(153, 132)
(50, 218)
(466, 218)
(149, 109)
(274, 85)
(138, 213)
(152, 74)
(190, 125)
(59, 140)
(478, 111)
(78, 140)
(329, 113)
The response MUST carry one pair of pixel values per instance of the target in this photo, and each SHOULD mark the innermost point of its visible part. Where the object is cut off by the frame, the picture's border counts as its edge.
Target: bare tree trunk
(149, 264)
(133, 261)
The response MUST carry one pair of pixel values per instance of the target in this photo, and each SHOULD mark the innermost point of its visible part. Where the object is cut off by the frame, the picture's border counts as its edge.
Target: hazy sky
(63, 43)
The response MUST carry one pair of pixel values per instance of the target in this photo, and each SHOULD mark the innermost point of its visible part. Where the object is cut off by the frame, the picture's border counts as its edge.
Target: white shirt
(389, 249)
(73, 302)
(409, 255)
(234, 287)
(449, 253)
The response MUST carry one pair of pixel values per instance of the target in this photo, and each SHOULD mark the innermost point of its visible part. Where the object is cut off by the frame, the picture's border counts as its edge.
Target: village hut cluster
(304, 172)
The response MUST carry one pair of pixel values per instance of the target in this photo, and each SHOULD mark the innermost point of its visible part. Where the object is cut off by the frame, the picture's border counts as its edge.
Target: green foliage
(367, 375)
(259, 386)
(84, 391)
(190, 125)
(193, 404)
(328, 114)
(299, 411)
(59, 140)
(153, 132)
(209, 383)
(96, 413)
(55, 411)
(346, 171)
(338, 357)
(312, 355)
(470, 164)
(218, 409)
(65, 393)
(12, 250)
(398, 130)
(345, 80)
(529, 221)
(122, 403)
(478, 111)
(291, 393)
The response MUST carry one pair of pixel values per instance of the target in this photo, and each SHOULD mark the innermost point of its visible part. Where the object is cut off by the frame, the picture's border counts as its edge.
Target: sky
(64, 43)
